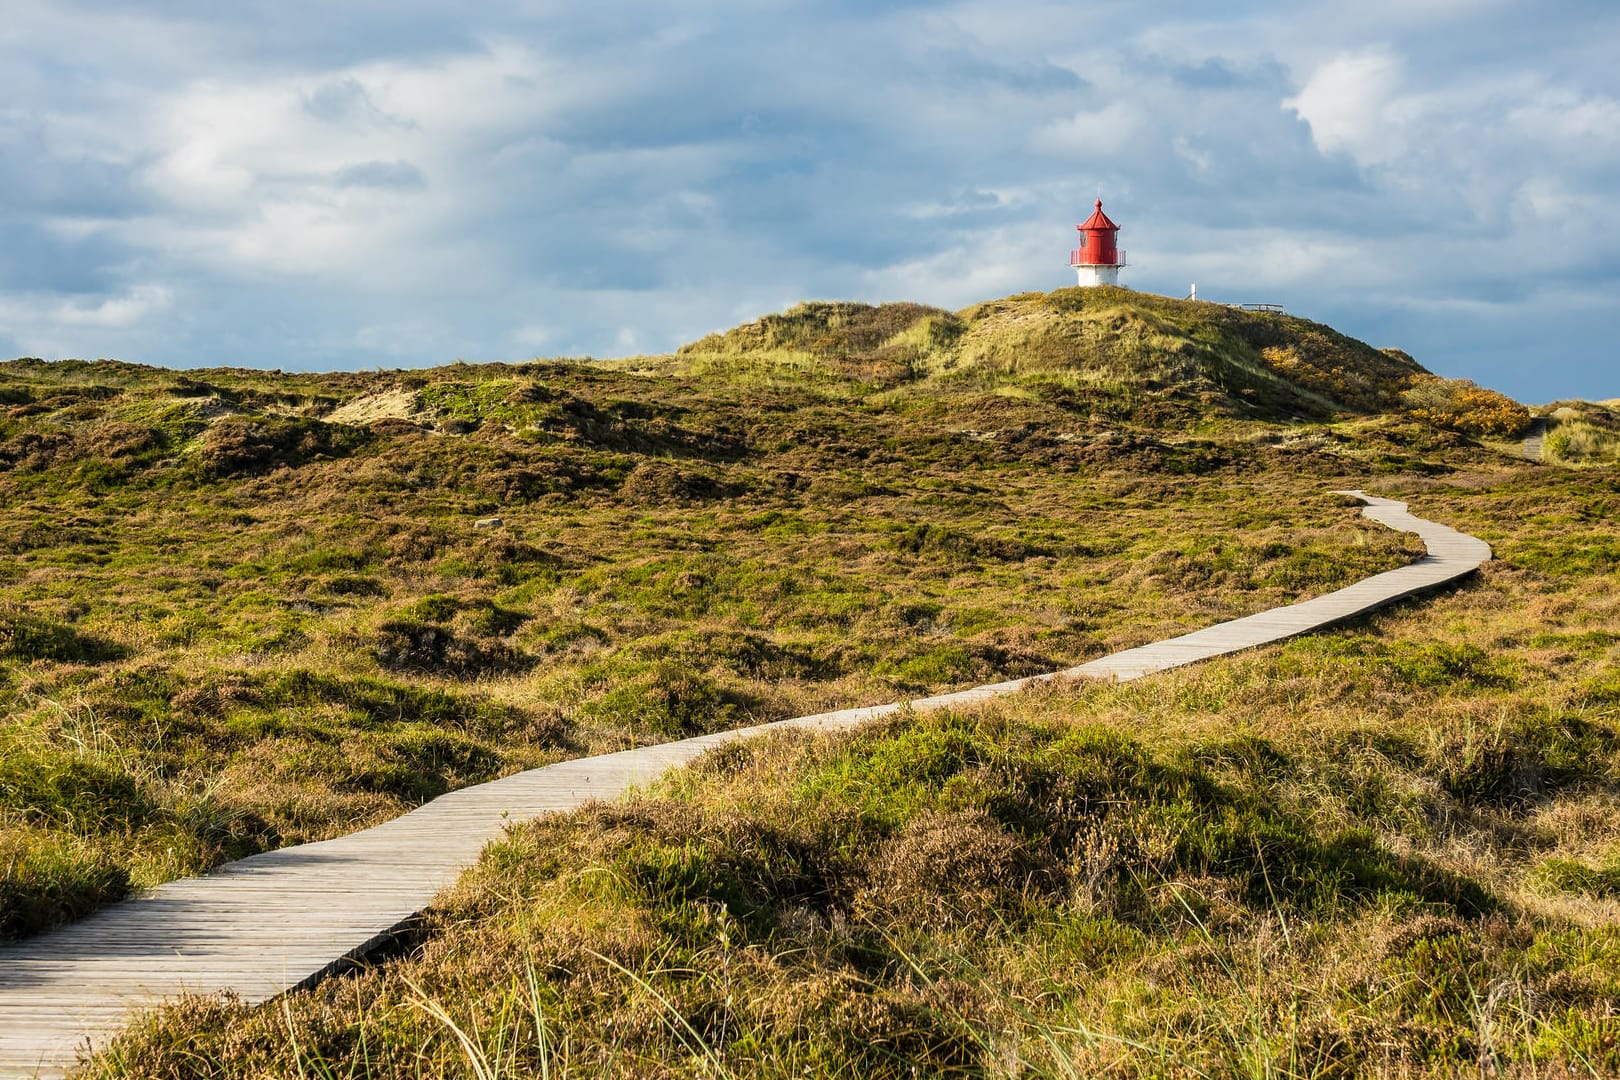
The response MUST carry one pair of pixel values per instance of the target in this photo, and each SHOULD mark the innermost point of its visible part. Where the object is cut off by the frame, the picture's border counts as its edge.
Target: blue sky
(317, 186)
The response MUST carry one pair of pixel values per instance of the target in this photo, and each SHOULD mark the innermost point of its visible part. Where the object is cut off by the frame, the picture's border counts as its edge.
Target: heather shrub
(1460, 405)
(244, 445)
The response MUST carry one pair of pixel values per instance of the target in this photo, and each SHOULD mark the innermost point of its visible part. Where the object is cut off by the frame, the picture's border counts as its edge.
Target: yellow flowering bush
(1461, 405)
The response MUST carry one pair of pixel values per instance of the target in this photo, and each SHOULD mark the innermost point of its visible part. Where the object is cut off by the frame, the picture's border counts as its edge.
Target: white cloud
(1352, 104)
(1200, 160)
(1260, 259)
(40, 324)
(115, 312)
(37, 314)
(532, 337)
(338, 175)
(1107, 130)
(1545, 201)
(333, 183)
(1573, 123)
(986, 263)
(401, 339)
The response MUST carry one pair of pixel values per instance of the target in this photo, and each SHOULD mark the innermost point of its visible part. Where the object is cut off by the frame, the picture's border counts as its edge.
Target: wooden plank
(1535, 438)
(280, 920)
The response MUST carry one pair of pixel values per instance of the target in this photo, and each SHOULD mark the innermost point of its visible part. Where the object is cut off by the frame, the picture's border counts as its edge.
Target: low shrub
(248, 445)
(405, 645)
(668, 700)
(1461, 405)
(1583, 434)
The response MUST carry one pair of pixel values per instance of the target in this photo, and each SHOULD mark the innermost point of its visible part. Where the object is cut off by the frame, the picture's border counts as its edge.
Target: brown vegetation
(240, 616)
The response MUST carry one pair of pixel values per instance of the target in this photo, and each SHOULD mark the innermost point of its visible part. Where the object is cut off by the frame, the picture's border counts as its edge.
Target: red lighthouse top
(1097, 243)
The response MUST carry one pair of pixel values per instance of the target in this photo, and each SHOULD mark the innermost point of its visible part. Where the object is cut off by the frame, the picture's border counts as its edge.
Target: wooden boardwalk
(1535, 438)
(282, 919)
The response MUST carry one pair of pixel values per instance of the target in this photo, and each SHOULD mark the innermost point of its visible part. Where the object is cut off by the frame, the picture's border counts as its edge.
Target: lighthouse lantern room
(1097, 260)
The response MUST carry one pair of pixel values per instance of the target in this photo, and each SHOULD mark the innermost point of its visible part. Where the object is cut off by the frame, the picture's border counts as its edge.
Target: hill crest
(1104, 344)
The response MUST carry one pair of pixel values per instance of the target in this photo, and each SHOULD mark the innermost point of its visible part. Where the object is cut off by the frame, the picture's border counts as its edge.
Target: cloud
(1108, 130)
(532, 337)
(1352, 105)
(111, 312)
(333, 176)
(380, 174)
(1568, 123)
(328, 185)
(39, 324)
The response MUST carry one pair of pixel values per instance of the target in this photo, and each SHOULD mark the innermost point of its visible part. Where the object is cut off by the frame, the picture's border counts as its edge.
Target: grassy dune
(1389, 850)
(1109, 352)
(251, 609)
(1582, 433)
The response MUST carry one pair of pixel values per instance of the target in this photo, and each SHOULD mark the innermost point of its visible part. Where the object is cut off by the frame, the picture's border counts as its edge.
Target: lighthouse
(1097, 260)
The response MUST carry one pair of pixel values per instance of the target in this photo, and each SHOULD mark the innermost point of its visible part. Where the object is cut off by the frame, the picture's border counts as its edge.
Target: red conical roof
(1098, 220)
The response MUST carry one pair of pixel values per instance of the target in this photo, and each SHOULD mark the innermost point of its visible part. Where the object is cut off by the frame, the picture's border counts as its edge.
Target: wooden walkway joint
(281, 920)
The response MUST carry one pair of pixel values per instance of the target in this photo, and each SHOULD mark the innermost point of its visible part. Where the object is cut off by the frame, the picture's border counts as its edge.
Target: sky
(396, 183)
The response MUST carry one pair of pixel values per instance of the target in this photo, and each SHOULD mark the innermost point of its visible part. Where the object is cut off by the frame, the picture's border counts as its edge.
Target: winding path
(283, 919)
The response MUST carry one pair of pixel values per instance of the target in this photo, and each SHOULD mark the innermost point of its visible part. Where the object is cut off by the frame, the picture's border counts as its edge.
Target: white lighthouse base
(1097, 275)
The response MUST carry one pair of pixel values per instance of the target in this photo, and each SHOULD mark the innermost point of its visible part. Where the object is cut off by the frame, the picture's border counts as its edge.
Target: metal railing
(1075, 260)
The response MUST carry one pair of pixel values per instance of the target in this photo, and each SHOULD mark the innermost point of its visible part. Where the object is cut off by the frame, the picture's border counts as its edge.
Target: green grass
(1105, 353)
(1386, 849)
(680, 552)
(1582, 433)
(247, 610)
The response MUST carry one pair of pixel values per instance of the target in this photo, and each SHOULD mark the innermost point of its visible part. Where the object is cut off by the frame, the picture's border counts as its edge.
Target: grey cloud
(400, 175)
(39, 179)
(33, 259)
(662, 172)
(344, 101)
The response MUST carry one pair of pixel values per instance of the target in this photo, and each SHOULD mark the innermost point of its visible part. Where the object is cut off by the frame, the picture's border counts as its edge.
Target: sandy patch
(396, 404)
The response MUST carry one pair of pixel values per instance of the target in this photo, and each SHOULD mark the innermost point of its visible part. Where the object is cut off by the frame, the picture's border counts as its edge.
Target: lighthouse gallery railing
(1076, 260)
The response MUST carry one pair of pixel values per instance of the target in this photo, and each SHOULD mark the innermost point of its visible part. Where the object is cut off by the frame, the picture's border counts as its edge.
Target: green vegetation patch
(948, 895)
(26, 637)
(284, 606)
(1582, 433)
(1574, 876)
(247, 609)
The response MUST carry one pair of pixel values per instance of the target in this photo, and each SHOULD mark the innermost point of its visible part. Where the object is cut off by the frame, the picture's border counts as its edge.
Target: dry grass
(1385, 850)
(1582, 433)
(283, 626)
(236, 621)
